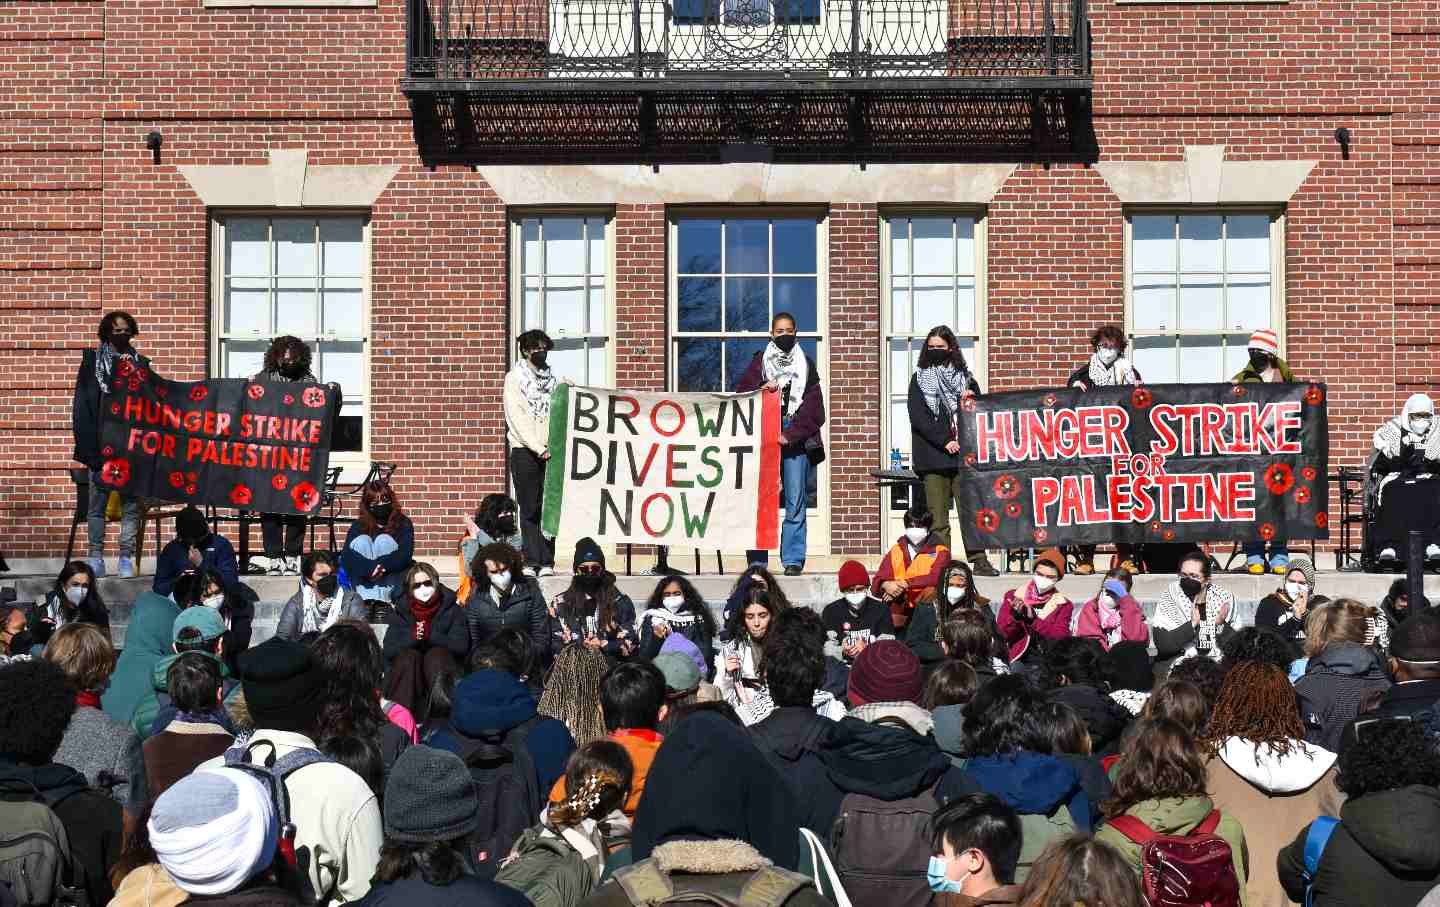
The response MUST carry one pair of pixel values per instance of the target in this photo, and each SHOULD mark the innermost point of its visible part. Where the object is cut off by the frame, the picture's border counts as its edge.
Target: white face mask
(500, 580)
(917, 534)
(857, 598)
(1108, 355)
(424, 593)
(1295, 590)
(1043, 583)
(954, 594)
(213, 602)
(1420, 426)
(75, 594)
(673, 602)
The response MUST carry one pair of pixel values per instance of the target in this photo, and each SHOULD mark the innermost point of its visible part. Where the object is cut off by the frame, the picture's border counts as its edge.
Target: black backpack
(509, 792)
(36, 866)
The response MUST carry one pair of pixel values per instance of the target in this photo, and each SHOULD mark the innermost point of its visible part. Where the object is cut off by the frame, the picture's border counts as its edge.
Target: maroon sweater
(808, 418)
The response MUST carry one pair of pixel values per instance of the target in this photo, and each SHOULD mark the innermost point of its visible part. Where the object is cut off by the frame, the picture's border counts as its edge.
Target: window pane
(342, 307)
(1154, 358)
(965, 306)
(1249, 302)
(900, 246)
(1200, 303)
(342, 246)
(564, 245)
(1152, 243)
(568, 360)
(242, 358)
(295, 308)
(934, 302)
(564, 309)
(530, 246)
(246, 246)
(595, 229)
(247, 306)
(1247, 243)
(699, 247)
(1236, 354)
(343, 363)
(1153, 296)
(747, 304)
(899, 429)
(934, 245)
(697, 365)
(295, 252)
(902, 363)
(794, 247)
(1200, 359)
(796, 295)
(598, 368)
(900, 306)
(698, 308)
(747, 246)
(349, 431)
(1200, 243)
(965, 245)
(597, 308)
(967, 347)
(738, 354)
(533, 317)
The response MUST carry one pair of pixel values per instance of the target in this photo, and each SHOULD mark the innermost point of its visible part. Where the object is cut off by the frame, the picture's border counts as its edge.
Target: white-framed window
(1198, 283)
(306, 275)
(561, 278)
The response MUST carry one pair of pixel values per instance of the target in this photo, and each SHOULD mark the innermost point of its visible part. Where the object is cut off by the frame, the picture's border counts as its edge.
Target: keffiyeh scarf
(536, 386)
(790, 372)
(1102, 375)
(1173, 610)
(942, 386)
(319, 614)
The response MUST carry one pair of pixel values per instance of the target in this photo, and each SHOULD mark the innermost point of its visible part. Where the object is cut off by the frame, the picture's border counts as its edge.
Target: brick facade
(88, 223)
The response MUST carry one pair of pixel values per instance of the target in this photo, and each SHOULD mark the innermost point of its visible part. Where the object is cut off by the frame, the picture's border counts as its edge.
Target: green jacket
(1177, 816)
(548, 871)
(1248, 375)
(149, 705)
(148, 638)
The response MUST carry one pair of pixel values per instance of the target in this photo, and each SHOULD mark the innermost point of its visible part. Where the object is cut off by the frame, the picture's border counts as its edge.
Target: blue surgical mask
(1116, 588)
(935, 875)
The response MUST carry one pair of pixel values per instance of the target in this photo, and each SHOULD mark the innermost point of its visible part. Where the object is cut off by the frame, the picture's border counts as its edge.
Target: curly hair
(1388, 754)
(487, 515)
(36, 703)
(1256, 702)
(1109, 333)
(1004, 718)
(280, 346)
(1162, 761)
(694, 601)
(499, 552)
(107, 325)
(1080, 870)
(1078, 660)
(1256, 644)
(793, 655)
(1206, 673)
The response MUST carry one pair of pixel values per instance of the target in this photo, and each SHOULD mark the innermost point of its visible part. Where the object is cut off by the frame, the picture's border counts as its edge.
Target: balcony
(694, 81)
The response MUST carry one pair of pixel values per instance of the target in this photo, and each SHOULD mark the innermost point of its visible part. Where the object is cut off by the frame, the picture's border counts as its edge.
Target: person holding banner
(1036, 609)
(1107, 367)
(790, 372)
(528, 386)
(287, 359)
(1407, 461)
(913, 567)
(1265, 366)
(92, 382)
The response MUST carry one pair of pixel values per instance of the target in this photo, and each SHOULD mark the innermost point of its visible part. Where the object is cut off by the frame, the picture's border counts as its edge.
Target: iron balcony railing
(544, 43)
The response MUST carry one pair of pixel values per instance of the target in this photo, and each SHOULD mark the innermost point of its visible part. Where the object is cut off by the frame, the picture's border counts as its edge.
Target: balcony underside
(714, 119)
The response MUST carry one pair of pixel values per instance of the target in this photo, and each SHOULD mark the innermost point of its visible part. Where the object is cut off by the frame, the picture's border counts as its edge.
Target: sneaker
(1130, 567)
(547, 571)
(126, 568)
(1387, 554)
(97, 565)
(981, 566)
(1281, 568)
(793, 570)
(528, 571)
(1432, 552)
(1255, 566)
(1084, 568)
(277, 566)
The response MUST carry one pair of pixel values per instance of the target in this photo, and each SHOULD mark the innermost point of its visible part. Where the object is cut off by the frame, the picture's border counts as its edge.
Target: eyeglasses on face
(422, 583)
(589, 570)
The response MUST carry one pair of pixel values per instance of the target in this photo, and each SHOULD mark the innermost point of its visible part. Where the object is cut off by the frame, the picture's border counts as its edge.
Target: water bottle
(897, 462)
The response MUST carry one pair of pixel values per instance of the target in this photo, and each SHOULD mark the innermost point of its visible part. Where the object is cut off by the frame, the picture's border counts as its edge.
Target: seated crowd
(913, 742)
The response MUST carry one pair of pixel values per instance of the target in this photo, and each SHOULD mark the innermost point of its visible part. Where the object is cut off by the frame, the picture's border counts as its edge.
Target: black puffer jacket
(1336, 683)
(523, 608)
(1384, 853)
(448, 629)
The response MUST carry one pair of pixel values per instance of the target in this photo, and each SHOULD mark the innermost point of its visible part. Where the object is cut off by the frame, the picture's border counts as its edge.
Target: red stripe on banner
(767, 512)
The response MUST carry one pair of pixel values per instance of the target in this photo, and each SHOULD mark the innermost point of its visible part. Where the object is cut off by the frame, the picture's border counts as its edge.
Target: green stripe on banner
(555, 466)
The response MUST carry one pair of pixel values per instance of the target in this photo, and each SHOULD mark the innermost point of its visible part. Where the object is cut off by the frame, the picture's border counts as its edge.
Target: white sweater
(521, 427)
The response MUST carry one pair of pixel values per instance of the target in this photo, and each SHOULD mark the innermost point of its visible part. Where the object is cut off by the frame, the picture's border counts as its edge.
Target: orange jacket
(642, 745)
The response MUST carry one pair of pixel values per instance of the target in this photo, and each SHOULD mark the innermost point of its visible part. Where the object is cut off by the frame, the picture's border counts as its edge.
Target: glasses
(1195, 576)
(421, 584)
(589, 570)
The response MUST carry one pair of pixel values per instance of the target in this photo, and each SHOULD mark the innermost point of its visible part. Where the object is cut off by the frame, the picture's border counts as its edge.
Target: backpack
(646, 885)
(882, 847)
(1315, 840)
(549, 870)
(272, 773)
(35, 860)
(1184, 870)
(509, 793)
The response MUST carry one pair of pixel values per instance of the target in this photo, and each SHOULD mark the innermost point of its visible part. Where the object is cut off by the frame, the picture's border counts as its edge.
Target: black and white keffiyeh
(1114, 375)
(105, 358)
(536, 385)
(790, 372)
(942, 386)
(1174, 608)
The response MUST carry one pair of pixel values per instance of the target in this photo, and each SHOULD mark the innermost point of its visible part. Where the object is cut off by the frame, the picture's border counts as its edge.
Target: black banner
(231, 442)
(1156, 463)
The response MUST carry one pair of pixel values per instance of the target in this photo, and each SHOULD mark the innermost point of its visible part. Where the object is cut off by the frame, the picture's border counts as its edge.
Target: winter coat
(1335, 684)
(489, 701)
(921, 567)
(692, 626)
(42, 620)
(1384, 853)
(711, 868)
(149, 886)
(156, 701)
(922, 634)
(85, 411)
(1273, 797)
(949, 730)
(216, 553)
(358, 568)
(292, 615)
(1019, 631)
(1040, 785)
(148, 638)
(615, 636)
(809, 418)
(1248, 375)
(256, 893)
(522, 608)
(1179, 816)
(995, 897)
(93, 822)
(792, 739)
(930, 432)
(1277, 612)
(108, 754)
(1105, 718)
(175, 751)
(466, 891)
(1085, 622)
(1403, 700)
(869, 623)
(1093, 779)
(447, 629)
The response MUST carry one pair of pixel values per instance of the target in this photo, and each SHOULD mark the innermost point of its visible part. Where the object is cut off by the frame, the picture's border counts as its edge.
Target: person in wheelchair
(1407, 475)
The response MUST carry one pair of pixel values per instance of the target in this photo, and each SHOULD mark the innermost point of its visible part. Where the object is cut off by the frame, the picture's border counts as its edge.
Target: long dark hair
(574, 607)
(694, 601)
(287, 344)
(1004, 718)
(487, 515)
(369, 495)
(437, 862)
(944, 610)
(777, 595)
(1161, 761)
(92, 600)
(735, 622)
(957, 358)
(354, 674)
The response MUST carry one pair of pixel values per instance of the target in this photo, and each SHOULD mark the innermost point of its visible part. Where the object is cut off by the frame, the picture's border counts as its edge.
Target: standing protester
(1407, 460)
(75, 598)
(425, 636)
(321, 603)
(1286, 609)
(380, 545)
(1193, 617)
(912, 568)
(528, 386)
(287, 359)
(494, 521)
(1036, 609)
(941, 381)
(92, 382)
(789, 371)
(592, 611)
(1107, 367)
(195, 547)
(857, 618)
(1265, 367)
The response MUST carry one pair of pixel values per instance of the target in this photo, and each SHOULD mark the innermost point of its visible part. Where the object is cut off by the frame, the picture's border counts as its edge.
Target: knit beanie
(852, 574)
(1307, 569)
(214, 830)
(886, 671)
(1265, 340)
(1054, 557)
(681, 675)
(430, 797)
(586, 550)
(283, 685)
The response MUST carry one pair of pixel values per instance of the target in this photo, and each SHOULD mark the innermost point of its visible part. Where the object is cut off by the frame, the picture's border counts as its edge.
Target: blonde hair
(84, 654)
(1340, 621)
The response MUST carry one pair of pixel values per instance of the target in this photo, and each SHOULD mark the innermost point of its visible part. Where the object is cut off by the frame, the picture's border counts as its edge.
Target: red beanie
(852, 573)
(886, 671)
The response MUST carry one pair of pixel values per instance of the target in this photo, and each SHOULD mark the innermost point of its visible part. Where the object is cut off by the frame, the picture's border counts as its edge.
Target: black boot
(980, 566)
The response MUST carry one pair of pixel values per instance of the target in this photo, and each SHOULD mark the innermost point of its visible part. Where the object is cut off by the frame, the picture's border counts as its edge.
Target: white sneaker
(292, 565)
(126, 568)
(547, 571)
(1432, 552)
(528, 571)
(1388, 554)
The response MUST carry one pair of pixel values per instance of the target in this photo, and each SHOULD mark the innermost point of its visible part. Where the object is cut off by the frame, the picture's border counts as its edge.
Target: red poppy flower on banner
(1140, 398)
(314, 397)
(1307, 473)
(1237, 390)
(254, 391)
(1013, 510)
(241, 496)
(1154, 525)
(191, 489)
(142, 374)
(1007, 487)
(1168, 535)
(162, 390)
(968, 404)
(305, 496)
(1322, 520)
(987, 520)
(133, 384)
(1279, 478)
(970, 458)
(1048, 399)
(124, 367)
(288, 399)
(1314, 396)
(1267, 531)
(1041, 535)
(115, 472)
(199, 392)
(177, 479)
(280, 482)
(114, 409)
(1302, 494)
(107, 451)
(192, 477)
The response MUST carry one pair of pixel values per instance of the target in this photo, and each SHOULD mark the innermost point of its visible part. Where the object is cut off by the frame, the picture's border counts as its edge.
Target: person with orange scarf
(913, 566)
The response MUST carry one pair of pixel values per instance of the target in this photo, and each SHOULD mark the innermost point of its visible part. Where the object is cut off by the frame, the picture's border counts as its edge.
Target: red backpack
(1194, 870)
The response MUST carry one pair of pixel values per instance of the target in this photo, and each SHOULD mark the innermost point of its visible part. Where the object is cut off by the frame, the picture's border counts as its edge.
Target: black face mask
(22, 643)
(537, 358)
(327, 585)
(381, 512)
(506, 526)
(785, 342)
(931, 358)
(1259, 361)
(292, 370)
(588, 583)
(1190, 586)
(120, 341)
